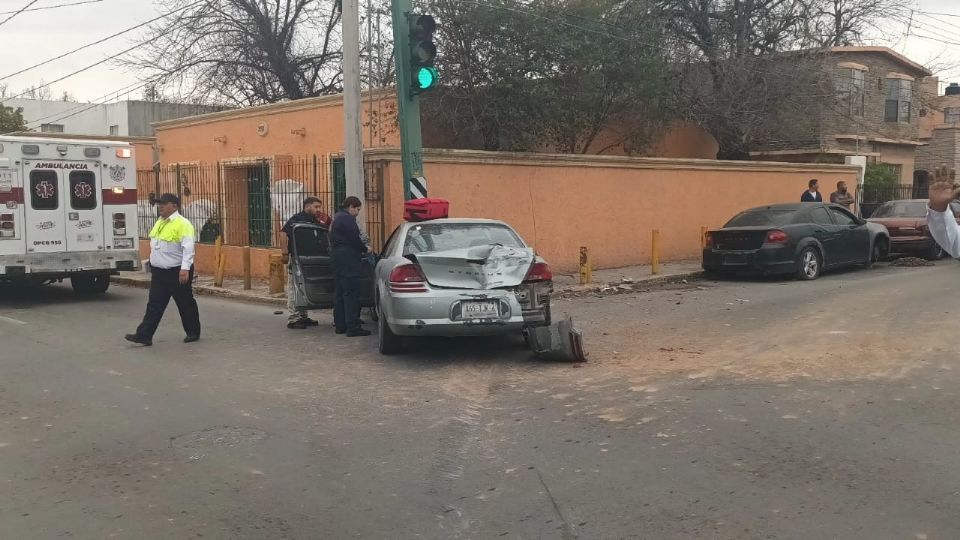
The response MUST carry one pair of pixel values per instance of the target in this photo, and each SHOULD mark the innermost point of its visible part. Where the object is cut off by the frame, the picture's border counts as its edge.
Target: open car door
(314, 286)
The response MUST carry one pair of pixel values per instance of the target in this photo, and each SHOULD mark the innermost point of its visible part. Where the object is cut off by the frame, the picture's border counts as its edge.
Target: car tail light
(8, 228)
(777, 237)
(708, 239)
(408, 278)
(539, 272)
(119, 224)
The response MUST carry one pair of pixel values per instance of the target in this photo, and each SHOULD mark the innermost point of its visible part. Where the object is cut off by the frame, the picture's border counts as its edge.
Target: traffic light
(423, 52)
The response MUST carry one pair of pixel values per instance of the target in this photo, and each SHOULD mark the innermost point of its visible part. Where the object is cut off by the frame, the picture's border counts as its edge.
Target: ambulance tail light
(124, 153)
(119, 224)
(8, 227)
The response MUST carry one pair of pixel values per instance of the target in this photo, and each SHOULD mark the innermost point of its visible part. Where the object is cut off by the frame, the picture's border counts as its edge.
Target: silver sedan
(458, 277)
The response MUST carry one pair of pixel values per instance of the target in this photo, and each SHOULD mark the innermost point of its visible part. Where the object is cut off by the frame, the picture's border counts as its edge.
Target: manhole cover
(218, 437)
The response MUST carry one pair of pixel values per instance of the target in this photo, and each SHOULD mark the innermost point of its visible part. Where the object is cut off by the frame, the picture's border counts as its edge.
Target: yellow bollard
(247, 285)
(655, 252)
(276, 274)
(219, 263)
(586, 270)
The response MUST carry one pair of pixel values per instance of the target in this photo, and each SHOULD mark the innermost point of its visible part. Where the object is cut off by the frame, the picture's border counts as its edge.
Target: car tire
(90, 284)
(809, 264)
(387, 342)
(934, 252)
(877, 252)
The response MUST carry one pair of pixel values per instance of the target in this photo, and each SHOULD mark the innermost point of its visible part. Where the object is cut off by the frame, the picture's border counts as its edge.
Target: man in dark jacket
(347, 250)
(812, 194)
(312, 213)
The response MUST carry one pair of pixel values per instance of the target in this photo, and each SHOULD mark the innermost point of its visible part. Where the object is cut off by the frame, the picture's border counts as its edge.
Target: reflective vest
(172, 230)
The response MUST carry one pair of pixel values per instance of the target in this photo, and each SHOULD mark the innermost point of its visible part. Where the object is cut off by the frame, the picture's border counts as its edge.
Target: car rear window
(907, 209)
(763, 218)
(430, 237)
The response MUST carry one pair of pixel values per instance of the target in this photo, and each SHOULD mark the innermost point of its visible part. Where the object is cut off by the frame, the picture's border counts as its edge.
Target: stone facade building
(866, 103)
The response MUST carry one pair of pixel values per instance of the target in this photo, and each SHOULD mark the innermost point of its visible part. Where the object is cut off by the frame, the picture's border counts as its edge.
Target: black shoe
(297, 325)
(191, 339)
(341, 330)
(358, 333)
(133, 338)
(310, 322)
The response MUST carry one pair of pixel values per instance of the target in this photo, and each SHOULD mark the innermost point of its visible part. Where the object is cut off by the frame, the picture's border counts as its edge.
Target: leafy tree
(546, 75)
(11, 120)
(880, 176)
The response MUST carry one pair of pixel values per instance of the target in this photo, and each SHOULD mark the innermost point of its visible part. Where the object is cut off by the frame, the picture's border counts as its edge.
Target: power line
(100, 101)
(19, 11)
(57, 6)
(81, 70)
(88, 45)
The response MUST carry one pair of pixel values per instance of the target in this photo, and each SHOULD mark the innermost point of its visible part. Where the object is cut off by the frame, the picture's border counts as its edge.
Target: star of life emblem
(45, 190)
(83, 190)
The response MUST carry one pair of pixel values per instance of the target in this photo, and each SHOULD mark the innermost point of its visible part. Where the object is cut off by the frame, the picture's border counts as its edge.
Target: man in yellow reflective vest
(171, 261)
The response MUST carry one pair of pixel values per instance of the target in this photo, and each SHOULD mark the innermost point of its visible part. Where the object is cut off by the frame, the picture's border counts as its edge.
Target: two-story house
(868, 105)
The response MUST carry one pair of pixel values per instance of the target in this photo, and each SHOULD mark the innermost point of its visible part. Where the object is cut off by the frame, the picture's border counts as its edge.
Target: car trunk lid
(478, 267)
(740, 239)
(903, 226)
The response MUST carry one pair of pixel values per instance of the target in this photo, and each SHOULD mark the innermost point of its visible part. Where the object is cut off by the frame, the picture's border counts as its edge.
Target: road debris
(911, 262)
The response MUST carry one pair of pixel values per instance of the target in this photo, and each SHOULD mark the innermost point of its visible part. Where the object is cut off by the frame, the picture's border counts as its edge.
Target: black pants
(347, 275)
(165, 284)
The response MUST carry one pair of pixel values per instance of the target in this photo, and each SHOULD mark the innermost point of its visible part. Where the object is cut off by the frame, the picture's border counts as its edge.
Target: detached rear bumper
(768, 260)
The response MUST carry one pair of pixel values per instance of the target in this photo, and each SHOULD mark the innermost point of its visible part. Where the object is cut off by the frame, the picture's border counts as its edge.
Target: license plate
(480, 310)
(734, 259)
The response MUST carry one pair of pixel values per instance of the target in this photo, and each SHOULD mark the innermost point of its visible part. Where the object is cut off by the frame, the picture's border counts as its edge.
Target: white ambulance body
(68, 208)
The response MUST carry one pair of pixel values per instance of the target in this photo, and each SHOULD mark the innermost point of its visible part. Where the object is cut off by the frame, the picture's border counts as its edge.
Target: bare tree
(245, 52)
(848, 22)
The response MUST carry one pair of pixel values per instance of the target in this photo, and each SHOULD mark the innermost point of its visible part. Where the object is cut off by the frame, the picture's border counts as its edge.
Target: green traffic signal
(427, 77)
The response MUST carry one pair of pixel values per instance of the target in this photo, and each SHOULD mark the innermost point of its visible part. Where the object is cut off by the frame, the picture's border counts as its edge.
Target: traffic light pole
(411, 142)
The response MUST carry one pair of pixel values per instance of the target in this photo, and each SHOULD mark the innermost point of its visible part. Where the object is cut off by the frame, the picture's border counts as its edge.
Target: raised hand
(944, 189)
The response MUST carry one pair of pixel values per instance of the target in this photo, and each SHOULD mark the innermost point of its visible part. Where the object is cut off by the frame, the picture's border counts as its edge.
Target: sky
(35, 36)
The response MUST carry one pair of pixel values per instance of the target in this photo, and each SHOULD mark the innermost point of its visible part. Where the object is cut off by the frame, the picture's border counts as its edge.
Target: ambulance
(68, 209)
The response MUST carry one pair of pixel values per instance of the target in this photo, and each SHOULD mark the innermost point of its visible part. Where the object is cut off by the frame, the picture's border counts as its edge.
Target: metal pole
(411, 144)
(353, 138)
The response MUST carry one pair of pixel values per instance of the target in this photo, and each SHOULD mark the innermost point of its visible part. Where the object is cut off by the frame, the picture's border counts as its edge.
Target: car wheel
(934, 253)
(387, 341)
(809, 264)
(877, 252)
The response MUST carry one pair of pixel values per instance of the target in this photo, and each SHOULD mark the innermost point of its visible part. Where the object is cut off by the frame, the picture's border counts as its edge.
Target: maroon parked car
(907, 222)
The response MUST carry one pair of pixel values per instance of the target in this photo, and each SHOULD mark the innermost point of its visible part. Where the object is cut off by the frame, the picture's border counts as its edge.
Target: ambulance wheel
(90, 284)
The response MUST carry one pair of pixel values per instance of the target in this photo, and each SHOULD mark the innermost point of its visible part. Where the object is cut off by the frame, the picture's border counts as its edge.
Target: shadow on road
(507, 350)
(26, 296)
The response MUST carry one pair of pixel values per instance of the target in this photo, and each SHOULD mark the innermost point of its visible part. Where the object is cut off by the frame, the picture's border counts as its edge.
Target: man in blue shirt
(347, 250)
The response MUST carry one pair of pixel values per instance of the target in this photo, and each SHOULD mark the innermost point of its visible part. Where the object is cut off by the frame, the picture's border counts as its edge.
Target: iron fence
(247, 202)
(870, 198)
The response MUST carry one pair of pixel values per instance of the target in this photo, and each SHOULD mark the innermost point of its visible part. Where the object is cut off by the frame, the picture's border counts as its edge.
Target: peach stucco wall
(300, 128)
(610, 205)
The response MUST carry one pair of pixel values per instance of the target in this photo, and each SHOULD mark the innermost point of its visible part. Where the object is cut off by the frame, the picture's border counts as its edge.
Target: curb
(204, 290)
(660, 280)
(227, 294)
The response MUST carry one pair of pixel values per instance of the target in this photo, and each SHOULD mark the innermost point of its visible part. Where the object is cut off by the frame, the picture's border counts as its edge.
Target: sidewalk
(260, 292)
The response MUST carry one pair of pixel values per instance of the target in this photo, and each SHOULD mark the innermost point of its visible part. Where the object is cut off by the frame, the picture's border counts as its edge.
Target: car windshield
(774, 217)
(429, 237)
(907, 209)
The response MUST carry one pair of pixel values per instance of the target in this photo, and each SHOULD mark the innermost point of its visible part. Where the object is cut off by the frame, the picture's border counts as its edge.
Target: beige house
(939, 129)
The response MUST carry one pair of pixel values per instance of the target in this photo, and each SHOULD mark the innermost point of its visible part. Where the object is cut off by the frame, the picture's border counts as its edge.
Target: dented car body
(458, 277)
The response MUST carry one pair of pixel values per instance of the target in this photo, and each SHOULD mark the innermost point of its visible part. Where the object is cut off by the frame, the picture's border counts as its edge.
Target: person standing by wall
(311, 213)
(841, 196)
(172, 251)
(812, 194)
(347, 252)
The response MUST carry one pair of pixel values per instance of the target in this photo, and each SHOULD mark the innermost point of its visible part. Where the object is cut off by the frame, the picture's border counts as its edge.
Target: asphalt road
(758, 409)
